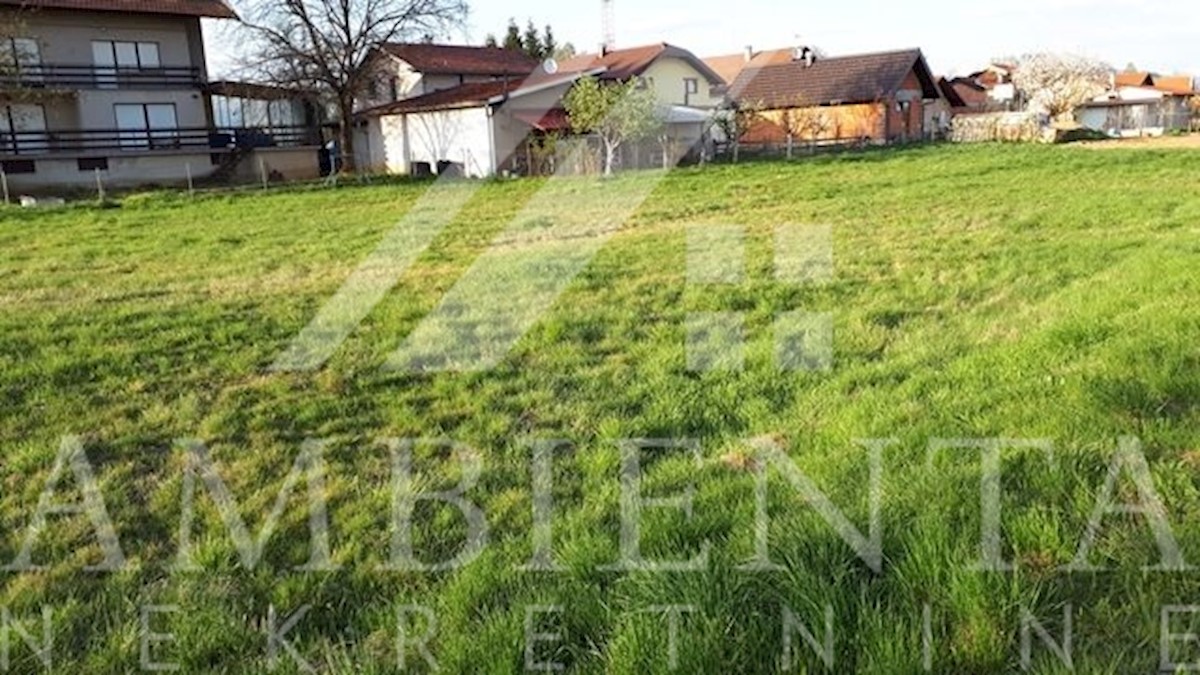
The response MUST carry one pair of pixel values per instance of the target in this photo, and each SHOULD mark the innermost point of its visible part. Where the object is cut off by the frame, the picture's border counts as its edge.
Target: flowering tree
(1055, 84)
(736, 121)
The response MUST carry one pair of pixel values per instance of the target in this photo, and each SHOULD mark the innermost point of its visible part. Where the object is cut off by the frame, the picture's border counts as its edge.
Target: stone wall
(1005, 127)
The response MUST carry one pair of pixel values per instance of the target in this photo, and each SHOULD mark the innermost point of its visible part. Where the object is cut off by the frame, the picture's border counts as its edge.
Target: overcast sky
(958, 36)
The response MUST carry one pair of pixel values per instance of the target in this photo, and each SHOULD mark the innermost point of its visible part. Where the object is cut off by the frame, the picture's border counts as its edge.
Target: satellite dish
(550, 66)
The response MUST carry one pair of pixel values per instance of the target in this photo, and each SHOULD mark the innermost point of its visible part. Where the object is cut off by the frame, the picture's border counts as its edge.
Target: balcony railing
(30, 144)
(52, 76)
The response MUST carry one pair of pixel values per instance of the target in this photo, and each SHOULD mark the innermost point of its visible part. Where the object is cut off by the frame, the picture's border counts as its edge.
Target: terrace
(29, 144)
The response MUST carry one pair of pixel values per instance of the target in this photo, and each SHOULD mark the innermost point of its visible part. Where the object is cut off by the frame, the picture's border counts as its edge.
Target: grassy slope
(981, 292)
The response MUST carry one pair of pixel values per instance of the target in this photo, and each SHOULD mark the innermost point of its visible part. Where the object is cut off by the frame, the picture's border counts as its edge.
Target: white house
(1136, 111)
(473, 129)
(479, 127)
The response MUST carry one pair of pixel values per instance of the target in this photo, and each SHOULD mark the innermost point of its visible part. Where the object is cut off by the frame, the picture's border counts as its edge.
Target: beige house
(402, 71)
(120, 88)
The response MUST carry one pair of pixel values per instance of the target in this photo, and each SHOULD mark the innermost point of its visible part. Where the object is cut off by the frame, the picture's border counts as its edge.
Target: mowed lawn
(988, 292)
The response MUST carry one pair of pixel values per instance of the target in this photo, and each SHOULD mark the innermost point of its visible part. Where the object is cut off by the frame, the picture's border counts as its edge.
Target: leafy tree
(1055, 84)
(512, 37)
(615, 112)
(564, 52)
(324, 45)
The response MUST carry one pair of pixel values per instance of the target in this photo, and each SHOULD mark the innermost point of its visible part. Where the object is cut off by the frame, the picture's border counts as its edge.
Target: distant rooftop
(216, 9)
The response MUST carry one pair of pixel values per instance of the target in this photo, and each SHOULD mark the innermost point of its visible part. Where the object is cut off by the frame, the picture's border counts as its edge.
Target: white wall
(459, 136)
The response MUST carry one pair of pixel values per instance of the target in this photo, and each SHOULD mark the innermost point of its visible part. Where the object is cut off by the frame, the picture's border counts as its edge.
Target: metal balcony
(74, 77)
(114, 142)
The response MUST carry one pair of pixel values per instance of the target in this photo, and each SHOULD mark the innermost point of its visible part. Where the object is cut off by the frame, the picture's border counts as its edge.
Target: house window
(93, 163)
(691, 86)
(277, 115)
(394, 85)
(20, 53)
(22, 128)
(16, 166)
(110, 57)
(147, 126)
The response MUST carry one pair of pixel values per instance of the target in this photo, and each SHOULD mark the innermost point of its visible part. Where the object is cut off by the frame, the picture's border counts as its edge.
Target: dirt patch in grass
(1189, 142)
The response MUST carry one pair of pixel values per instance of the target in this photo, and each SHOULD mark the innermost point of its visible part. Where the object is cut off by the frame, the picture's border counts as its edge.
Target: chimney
(604, 49)
(749, 53)
(805, 55)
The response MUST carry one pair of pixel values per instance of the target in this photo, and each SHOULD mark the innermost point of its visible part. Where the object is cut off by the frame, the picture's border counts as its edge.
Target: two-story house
(117, 89)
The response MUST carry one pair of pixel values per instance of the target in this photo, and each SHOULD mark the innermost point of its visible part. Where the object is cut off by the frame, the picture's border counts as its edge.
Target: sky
(958, 36)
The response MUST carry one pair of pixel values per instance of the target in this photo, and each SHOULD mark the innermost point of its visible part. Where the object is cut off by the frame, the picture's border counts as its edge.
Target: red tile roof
(1134, 79)
(216, 9)
(846, 79)
(462, 60)
(1175, 84)
(1171, 84)
(623, 64)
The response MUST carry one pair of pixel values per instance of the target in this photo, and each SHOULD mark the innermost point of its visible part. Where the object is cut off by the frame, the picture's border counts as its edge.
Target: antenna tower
(609, 24)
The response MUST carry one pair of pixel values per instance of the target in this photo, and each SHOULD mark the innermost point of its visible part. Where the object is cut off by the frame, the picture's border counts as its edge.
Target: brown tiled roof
(216, 9)
(462, 60)
(622, 64)
(732, 65)
(964, 89)
(950, 93)
(845, 79)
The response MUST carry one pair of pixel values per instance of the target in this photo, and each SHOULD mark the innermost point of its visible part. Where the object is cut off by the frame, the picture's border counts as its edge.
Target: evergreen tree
(512, 38)
(549, 44)
(532, 41)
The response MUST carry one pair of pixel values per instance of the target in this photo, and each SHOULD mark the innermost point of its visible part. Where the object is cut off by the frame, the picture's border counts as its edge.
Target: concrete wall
(123, 171)
(165, 168)
(280, 164)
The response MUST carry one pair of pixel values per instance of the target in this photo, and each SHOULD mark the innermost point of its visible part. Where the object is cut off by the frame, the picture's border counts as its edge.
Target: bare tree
(804, 123)
(325, 45)
(1055, 84)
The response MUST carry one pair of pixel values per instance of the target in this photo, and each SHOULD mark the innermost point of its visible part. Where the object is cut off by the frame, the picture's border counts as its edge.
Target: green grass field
(989, 292)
